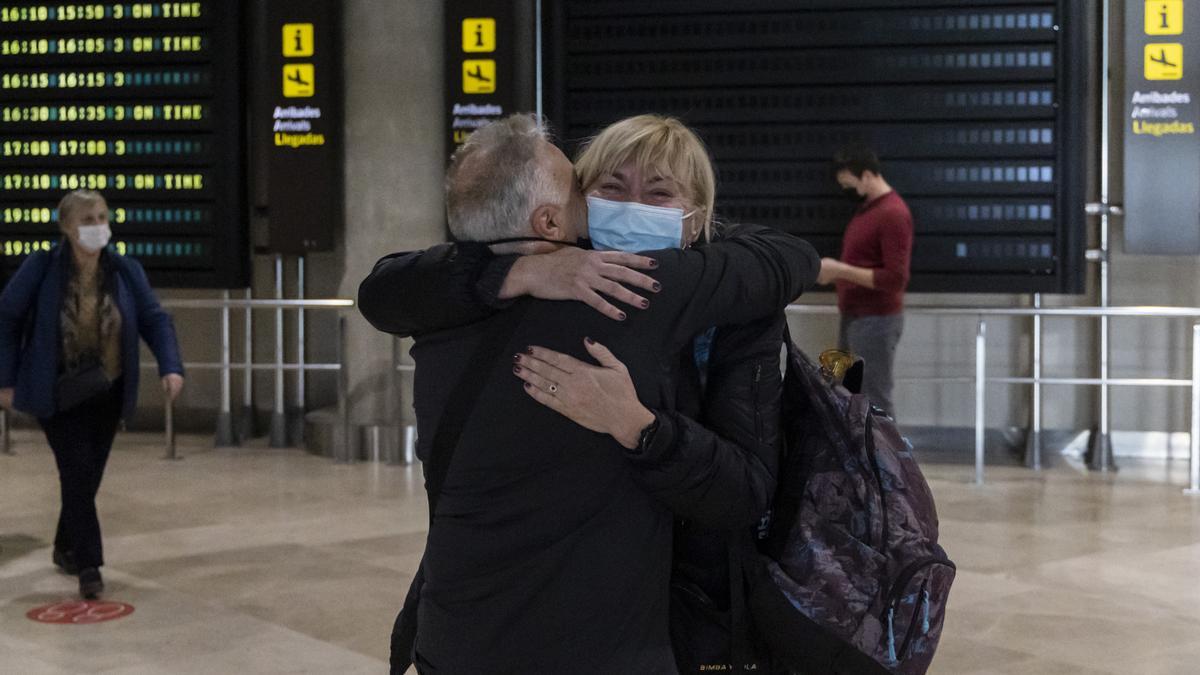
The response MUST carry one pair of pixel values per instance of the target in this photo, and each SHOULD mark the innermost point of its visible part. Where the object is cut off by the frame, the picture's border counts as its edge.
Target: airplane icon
(299, 80)
(297, 77)
(1162, 59)
(478, 74)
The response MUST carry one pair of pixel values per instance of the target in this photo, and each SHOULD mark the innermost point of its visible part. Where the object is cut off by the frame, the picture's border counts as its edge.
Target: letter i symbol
(1164, 15)
(479, 35)
(300, 40)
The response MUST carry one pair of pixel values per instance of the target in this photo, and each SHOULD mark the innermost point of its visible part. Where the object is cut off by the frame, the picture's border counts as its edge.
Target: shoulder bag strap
(462, 402)
(458, 411)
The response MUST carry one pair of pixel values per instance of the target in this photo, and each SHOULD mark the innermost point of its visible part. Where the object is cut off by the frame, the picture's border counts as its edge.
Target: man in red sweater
(873, 270)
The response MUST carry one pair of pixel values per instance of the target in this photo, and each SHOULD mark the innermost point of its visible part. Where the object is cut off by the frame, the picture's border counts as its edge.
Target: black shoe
(91, 585)
(63, 562)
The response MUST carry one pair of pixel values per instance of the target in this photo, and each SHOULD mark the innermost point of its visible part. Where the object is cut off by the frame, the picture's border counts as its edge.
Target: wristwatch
(647, 436)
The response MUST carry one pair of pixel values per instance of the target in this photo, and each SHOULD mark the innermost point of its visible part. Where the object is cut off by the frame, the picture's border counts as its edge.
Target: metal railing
(1037, 380)
(278, 436)
(980, 378)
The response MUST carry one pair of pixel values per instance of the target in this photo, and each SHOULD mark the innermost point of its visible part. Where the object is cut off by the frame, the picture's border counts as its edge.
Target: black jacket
(548, 553)
(720, 480)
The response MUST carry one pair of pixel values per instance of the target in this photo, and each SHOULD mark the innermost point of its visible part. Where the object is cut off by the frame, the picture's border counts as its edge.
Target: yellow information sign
(479, 76)
(479, 35)
(297, 39)
(1164, 17)
(299, 80)
(1164, 61)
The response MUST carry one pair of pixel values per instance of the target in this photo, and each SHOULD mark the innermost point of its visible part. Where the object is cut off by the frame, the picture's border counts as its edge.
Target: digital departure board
(142, 101)
(974, 106)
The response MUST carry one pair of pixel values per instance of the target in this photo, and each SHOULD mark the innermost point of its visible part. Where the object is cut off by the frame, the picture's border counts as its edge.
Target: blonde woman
(69, 325)
(714, 456)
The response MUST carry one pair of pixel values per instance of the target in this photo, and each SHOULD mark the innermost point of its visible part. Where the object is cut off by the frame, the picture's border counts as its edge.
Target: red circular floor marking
(80, 611)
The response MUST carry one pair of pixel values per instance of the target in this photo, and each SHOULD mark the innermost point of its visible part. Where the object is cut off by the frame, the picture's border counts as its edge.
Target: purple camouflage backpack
(850, 578)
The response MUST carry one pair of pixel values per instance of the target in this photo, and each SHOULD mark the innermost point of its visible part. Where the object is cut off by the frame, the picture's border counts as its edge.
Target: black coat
(549, 552)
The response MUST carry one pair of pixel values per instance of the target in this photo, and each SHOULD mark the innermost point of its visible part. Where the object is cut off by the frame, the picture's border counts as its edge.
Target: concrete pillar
(394, 165)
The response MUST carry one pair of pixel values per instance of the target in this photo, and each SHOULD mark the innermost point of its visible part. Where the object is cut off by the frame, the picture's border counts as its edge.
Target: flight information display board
(141, 101)
(974, 106)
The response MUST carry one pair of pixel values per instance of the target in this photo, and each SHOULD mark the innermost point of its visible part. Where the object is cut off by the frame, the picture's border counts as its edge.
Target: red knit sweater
(879, 237)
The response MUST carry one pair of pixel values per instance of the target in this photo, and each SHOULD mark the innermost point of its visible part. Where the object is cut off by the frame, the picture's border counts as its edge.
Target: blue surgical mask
(632, 226)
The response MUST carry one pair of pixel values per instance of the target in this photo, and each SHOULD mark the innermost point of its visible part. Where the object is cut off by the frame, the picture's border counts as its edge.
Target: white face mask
(92, 238)
(633, 226)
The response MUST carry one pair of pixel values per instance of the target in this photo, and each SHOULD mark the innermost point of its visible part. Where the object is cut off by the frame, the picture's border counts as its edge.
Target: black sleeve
(723, 476)
(442, 287)
(745, 277)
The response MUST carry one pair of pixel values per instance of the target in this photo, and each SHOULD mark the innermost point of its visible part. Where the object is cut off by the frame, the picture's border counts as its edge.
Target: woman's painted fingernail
(529, 350)
(645, 303)
(621, 316)
(653, 263)
(517, 369)
(528, 386)
(517, 358)
(589, 340)
(656, 287)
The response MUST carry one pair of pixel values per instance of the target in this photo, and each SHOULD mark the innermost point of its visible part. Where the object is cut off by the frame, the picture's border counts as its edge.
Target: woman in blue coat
(69, 325)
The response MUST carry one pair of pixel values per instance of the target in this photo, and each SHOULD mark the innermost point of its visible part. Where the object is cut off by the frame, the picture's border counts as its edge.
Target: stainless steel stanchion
(295, 414)
(225, 436)
(247, 420)
(980, 397)
(169, 426)
(1033, 442)
(278, 414)
(5, 435)
(410, 444)
(1099, 455)
(341, 441)
(1193, 487)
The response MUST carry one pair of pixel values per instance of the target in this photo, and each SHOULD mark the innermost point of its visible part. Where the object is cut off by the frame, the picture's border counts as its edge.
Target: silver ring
(553, 388)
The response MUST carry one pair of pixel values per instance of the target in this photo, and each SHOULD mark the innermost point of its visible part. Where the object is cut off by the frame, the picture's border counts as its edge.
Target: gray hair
(497, 179)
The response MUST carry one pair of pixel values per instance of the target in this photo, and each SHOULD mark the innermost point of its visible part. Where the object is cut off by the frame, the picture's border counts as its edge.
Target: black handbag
(81, 385)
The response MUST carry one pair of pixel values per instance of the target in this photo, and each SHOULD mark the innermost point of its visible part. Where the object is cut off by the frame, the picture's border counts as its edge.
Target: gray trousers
(874, 338)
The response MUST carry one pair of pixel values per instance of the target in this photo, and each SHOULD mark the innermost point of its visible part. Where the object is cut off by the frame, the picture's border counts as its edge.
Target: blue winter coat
(29, 328)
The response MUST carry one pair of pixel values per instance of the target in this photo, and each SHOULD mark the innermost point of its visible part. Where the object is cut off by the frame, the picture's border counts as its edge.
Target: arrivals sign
(480, 72)
(1162, 136)
(303, 122)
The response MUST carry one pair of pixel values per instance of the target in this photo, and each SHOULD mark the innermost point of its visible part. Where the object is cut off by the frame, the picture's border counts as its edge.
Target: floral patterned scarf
(91, 324)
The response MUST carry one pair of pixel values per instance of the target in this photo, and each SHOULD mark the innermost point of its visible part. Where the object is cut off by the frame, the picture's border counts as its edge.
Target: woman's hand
(172, 384)
(600, 398)
(575, 274)
(6, 398)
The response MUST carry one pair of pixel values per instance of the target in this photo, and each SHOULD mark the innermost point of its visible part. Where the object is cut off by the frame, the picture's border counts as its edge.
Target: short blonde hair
(74, 200)
(654, 143)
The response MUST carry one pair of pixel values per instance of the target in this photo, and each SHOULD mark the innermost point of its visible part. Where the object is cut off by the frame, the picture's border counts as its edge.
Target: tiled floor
(275, 561)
